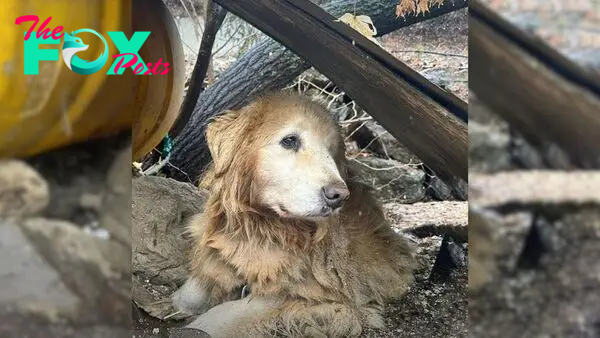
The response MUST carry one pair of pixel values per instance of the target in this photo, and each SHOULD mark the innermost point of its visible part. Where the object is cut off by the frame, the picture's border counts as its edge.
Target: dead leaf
(422, 6)
(416, 7)
(361, 23)
(439, 3)
(405, 7)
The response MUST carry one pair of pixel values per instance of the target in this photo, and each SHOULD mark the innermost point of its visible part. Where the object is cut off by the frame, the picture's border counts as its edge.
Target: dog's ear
(221, 136)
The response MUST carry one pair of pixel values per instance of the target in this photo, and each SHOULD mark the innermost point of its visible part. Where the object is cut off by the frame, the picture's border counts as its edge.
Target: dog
(286, 218)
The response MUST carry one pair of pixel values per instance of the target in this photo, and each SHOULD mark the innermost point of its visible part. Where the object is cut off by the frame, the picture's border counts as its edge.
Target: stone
(29, 283)
(75, 172)
(430, 218)
(185, 332)
(95, 269)
(454, 189)
(539, 253)
(541, 187)
(390, 180)
(488, 149)
(57, 281)
(23, 191)
(373, 137)
(115, 213)
(161, 209)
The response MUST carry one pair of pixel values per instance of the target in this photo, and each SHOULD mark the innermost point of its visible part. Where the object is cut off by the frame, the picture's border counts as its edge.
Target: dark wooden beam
(213, 17)
(545, 96)
(420, 115)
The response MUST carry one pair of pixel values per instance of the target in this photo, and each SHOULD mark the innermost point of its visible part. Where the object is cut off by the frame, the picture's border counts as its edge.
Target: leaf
(362, 23)
(422, 6)
(416, 7)
(439, 3)
(406, 7)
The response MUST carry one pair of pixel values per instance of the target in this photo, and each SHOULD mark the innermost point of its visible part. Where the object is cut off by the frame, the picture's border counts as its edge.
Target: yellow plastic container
(59, 107)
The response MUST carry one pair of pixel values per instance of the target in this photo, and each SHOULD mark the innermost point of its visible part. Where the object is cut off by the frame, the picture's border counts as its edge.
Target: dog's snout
(335, 194)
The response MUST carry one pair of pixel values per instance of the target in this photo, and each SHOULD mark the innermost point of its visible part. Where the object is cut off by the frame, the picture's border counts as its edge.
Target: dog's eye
(290, 142)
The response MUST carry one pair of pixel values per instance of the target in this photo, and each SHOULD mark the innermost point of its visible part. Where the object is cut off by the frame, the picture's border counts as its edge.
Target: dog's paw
(373, 318)
(191, 298)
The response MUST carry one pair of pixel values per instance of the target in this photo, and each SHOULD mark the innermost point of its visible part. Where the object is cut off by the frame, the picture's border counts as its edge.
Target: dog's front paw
(191, 298)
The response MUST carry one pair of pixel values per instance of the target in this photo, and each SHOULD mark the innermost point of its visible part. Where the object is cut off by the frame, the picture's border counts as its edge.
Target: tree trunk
(269, 66)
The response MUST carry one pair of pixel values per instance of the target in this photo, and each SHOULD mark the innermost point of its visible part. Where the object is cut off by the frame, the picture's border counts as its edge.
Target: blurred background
(534, 220)
(65, 169)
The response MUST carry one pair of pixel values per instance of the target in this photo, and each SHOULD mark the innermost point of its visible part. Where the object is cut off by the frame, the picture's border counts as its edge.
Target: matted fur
(328, 277)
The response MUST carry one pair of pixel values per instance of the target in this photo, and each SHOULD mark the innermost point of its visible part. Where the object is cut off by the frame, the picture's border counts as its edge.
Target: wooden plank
(537, 48)
(547, 187)
(448, 100)
(546, 97)
(421, 123)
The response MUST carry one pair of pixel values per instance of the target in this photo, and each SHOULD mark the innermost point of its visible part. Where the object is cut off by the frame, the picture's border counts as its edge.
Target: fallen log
(542, 187)
(541, 93)
(267, 66)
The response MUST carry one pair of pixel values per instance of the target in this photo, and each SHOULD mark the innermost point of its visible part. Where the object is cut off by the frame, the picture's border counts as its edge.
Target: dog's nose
(335, 194)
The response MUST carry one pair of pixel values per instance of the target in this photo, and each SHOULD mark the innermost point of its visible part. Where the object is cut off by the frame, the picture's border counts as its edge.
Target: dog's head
(282, 153)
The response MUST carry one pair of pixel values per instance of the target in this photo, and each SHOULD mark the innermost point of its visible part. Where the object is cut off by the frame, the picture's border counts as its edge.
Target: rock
(161, 209)
(185, 332)
(495, 146)
(29, 283)
(450, 257)
(57, 281)
(488, 149)
(546, 292)
(23, 191)
(115, 213)
(97, 270)
(391, 180)
(75, 171)
(455, 189)
(430, 218)
(439, 190)
(482, 115)
(543, 240)
(535, 188)
(482, 246)
(20, 327)
(427, 224)
(375, 138)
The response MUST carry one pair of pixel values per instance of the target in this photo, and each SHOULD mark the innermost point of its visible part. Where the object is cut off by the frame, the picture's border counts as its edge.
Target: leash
(245, 291)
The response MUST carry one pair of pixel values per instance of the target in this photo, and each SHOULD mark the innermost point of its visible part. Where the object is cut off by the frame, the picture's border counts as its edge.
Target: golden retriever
(287, 219)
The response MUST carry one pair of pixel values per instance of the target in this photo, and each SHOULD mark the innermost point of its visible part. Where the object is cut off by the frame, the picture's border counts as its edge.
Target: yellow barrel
(59, 107)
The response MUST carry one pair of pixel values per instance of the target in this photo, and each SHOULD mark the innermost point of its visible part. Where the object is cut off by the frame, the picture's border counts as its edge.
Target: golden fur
(328, 277)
